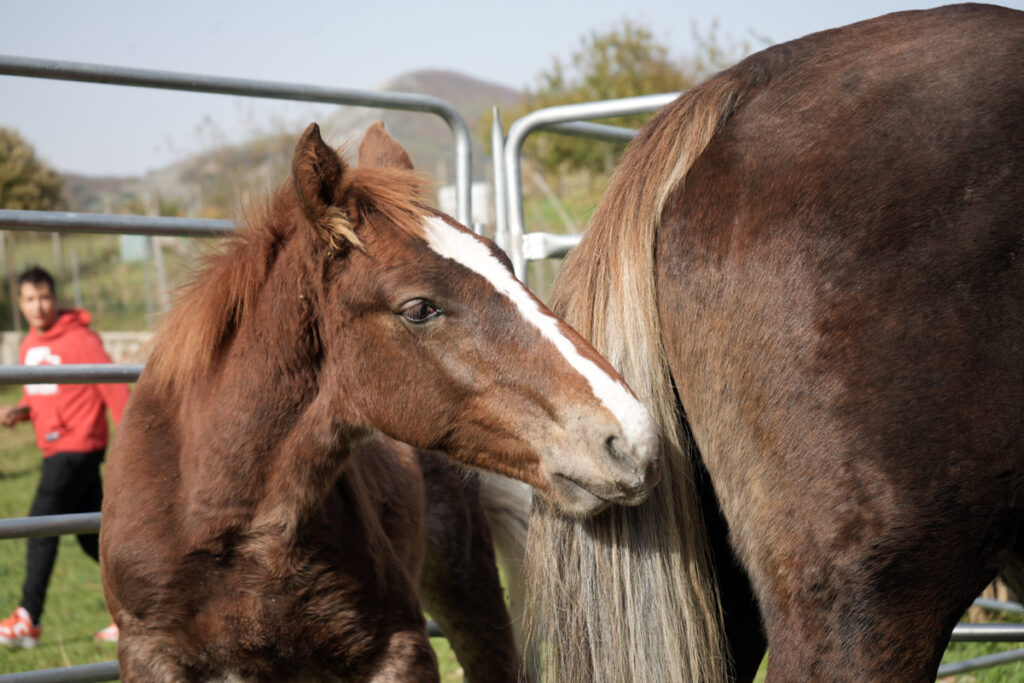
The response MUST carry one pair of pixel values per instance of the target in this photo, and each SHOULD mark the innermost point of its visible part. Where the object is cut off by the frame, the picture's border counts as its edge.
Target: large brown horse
(811, 268)
(255, 528)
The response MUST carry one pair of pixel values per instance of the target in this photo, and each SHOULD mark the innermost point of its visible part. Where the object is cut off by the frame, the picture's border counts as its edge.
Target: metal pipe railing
(50, 525)
(101, 672)
(82, 373)
(500, 195)
(593, 131)
(999, 605)
(222, 85)
(988, 633)
(82, 673)
(983, 662)
(70, 221)
(566, 118)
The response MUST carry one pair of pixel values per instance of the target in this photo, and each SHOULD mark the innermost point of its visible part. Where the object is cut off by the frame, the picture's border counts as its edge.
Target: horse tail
(629, 595)
(506, 504)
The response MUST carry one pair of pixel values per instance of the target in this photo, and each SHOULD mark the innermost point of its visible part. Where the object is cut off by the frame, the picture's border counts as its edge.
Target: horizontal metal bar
(999, 605)
(50, 525)
(600, 109)
(108, 671)
(595, 131)
(542, 245)
(988, 633)
(68, 221)
(82, 673)
(982, 662)
(221, 85)
(11, 65)
(83, 373)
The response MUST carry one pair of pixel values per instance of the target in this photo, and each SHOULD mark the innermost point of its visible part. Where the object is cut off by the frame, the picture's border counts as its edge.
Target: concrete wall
(123, 347)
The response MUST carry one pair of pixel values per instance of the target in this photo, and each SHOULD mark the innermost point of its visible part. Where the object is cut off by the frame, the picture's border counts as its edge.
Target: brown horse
(255, 528)
(811, 268)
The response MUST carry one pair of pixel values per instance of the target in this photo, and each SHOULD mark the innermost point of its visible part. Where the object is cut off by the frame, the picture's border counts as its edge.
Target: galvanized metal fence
(509, 232)
(70, 222)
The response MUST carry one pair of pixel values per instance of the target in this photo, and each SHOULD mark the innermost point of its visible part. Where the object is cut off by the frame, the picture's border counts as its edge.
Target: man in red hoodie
(71, 430)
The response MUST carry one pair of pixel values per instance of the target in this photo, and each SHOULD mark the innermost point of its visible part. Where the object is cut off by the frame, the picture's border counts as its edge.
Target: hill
(213, 183)
(427, 138)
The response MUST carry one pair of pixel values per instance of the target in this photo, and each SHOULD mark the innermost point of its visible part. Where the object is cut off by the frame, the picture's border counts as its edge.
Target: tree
(26, 182)
(624, 62)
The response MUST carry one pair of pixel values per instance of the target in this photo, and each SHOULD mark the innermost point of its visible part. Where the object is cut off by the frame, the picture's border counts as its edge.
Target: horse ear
(380, 150)
(317, 171)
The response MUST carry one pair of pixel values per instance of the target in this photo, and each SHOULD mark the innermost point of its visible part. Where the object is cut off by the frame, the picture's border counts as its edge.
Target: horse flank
(591, 588)
(208, 311)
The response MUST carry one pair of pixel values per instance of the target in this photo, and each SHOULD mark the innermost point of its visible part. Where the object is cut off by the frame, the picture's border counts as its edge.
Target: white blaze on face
(472, 253)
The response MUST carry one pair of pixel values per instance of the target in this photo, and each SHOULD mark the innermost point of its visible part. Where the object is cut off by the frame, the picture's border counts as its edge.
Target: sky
(358, 44)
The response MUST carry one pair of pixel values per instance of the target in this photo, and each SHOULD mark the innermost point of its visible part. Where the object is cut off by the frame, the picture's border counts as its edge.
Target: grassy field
(74, 606)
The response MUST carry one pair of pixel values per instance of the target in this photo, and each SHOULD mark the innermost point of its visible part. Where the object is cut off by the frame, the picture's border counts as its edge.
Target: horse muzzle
(605, 469)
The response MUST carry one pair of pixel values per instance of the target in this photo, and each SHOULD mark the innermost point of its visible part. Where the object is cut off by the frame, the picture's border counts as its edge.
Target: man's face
(38, 305)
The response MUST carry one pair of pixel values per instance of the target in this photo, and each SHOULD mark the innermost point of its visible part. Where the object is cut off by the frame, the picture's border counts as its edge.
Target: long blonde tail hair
(629, 595)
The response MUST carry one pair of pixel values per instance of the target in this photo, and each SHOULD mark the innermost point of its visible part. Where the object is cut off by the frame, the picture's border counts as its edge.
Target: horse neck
(269, 444)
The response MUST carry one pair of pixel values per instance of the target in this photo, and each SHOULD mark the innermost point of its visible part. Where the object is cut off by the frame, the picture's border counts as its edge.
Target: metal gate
(179, 227)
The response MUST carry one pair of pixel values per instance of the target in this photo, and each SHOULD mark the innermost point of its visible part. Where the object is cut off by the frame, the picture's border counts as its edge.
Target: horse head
(429, 338)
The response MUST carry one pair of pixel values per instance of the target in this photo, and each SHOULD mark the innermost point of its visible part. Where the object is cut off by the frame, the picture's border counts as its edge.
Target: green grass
(74, 606)
(956, 652)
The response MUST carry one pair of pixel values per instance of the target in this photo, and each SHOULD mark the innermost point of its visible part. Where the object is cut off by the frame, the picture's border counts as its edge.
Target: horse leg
(879, 610)
(744, 634)
(407, 657)
(148, 660)
(1013, 570)
(459, 584)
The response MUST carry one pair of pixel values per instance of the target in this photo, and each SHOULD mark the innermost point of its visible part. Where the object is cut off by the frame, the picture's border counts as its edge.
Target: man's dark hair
(36, 276)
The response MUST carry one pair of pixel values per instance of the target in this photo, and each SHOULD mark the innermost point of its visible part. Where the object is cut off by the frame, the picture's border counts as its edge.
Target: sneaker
(18, 630)
(107, 635)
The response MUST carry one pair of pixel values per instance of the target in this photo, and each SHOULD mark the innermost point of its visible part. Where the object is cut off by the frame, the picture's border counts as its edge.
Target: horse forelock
(211, 309)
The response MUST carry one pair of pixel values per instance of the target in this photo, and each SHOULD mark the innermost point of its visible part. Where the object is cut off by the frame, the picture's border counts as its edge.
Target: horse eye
(420, 311)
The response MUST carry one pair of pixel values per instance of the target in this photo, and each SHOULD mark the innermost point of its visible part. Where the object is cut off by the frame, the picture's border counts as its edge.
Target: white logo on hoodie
(40, 355)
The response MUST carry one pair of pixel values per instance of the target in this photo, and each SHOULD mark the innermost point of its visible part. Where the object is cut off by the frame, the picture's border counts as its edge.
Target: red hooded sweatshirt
(69, 418)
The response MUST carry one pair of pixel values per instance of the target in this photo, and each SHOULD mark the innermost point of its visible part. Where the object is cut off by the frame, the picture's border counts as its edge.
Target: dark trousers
(70, 484)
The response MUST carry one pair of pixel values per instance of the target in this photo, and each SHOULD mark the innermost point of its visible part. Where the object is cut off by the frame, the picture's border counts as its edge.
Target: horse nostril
(612, 447)
(638, 474)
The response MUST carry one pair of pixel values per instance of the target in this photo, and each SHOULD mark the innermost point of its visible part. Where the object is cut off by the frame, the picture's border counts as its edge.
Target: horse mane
(209, 311)
(629, 595)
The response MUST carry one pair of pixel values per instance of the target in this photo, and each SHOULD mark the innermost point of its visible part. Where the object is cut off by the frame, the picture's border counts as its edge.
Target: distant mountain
(426, 137)
(212, 183)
